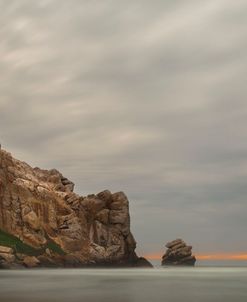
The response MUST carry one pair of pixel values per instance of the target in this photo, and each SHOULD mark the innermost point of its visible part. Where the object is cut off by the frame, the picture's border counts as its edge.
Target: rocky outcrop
(178, 253)
(51, 225)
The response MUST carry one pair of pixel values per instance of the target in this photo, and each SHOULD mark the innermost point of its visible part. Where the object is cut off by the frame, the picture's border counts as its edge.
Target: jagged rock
(39, 206)
(178, 253)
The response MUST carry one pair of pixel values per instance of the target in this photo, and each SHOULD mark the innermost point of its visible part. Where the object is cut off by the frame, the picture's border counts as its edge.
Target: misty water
(199, 284)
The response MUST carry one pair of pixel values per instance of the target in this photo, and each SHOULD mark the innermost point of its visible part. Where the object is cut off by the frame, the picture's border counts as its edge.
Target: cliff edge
(44, 223)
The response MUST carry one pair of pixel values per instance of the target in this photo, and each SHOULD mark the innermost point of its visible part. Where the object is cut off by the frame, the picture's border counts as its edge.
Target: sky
(145, 97)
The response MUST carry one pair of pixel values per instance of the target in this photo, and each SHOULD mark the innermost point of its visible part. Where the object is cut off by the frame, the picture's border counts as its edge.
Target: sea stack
(178, 253)
(43, 222)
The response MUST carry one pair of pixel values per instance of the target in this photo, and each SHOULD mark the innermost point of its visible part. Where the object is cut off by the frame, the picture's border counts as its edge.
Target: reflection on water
(125, 285)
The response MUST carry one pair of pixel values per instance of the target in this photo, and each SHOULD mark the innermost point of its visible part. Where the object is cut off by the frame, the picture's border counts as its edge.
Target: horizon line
(213, 256)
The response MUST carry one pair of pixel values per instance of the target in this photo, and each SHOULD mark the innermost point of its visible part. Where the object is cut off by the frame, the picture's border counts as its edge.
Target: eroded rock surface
(40, 208)
(178, 253)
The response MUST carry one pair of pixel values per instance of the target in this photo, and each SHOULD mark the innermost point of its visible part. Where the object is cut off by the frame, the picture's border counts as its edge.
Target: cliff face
(41, 210)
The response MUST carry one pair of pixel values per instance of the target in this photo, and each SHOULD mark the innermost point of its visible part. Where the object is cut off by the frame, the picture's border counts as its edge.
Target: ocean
(194, 284)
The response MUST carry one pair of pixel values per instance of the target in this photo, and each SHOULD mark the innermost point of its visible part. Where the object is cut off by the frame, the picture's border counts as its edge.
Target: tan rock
(32, 220)
(33, 238)
(31, 261)
(10, 258)
(5, 249)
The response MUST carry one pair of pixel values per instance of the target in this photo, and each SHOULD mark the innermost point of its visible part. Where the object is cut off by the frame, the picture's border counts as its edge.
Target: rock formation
(178, 253)
(44, 223)
(6, 256)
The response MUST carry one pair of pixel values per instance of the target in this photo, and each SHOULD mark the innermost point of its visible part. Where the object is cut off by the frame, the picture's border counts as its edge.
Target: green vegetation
(51, 245)
(18, 246)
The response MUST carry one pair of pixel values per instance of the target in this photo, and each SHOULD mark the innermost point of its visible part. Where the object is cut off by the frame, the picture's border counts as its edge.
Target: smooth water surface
(125, 285)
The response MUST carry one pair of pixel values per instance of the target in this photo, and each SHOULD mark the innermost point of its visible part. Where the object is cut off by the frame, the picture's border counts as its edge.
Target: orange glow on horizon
(216, 256)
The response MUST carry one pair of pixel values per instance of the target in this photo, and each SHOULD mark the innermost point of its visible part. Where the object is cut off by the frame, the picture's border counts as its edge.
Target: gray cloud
(145, 97)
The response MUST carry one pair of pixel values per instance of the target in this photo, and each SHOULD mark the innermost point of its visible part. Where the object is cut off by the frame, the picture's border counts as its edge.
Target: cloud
(149, 98)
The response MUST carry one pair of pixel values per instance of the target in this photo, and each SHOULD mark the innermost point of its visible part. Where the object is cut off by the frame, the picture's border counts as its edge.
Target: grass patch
(18, 246)
(53, 246)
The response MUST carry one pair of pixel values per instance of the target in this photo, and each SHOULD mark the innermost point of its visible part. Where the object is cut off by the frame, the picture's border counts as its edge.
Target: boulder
(178, 253)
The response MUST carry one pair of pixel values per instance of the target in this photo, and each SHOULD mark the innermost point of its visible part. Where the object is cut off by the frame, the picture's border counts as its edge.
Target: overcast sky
(148, 97)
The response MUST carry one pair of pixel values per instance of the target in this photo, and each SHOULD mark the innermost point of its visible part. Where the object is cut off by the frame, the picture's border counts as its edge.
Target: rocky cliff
(178, 253)
(44, 223)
